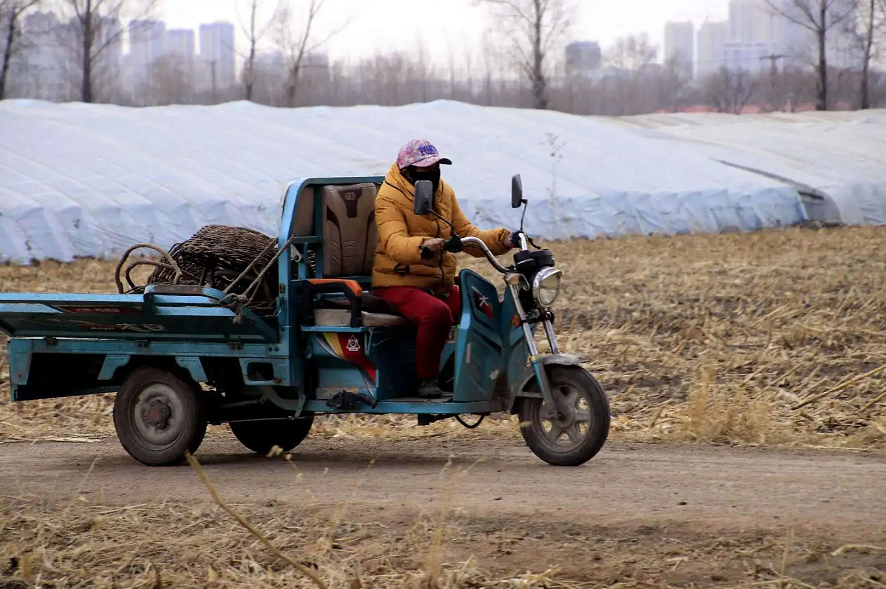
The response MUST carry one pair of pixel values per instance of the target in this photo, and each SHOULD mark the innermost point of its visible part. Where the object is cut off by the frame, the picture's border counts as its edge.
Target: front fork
(535, 359)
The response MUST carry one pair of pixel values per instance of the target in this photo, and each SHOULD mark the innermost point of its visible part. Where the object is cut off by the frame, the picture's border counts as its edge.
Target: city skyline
(749, 32)
(442, 26)
(754, 37)
(183, 22)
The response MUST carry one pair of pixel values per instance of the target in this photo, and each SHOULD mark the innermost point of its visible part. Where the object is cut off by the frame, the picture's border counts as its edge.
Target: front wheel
(261, 436)
(581, 425)
(159, 416)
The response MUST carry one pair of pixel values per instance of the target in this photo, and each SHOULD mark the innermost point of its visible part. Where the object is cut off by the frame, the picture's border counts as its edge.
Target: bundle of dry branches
(219, 255)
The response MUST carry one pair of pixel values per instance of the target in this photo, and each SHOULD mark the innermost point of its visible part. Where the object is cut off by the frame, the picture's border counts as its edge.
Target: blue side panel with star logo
(479, 339)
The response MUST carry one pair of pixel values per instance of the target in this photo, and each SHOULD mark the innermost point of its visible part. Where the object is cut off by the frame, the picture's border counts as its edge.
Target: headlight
(546, 286)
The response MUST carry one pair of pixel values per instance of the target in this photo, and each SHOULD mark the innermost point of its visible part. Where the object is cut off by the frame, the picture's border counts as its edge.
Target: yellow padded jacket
(398, 260)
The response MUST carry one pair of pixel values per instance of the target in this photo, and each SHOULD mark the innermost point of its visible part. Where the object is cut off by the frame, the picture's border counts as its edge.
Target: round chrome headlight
(546, 286)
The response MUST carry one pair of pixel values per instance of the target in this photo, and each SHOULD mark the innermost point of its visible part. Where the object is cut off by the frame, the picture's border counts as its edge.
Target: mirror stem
(451, 228)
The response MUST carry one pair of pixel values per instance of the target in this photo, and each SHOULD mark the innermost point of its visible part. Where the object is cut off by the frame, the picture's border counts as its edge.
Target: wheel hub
(564, 415)
(157, 414)
(560, 426)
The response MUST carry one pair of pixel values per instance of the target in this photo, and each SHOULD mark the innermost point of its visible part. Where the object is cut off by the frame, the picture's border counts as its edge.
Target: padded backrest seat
(350, 235)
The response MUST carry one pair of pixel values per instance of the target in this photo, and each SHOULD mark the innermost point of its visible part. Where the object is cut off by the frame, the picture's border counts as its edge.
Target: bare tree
(171, 83)
(254, 33)
(675, 80)
(297, 42)
(95, 33)
(730, 91)
(632, 57)
(491, 55)
(469, 71)
(11, 12)
(632, 53)
(866, 37)
(424, 68)
(820, 17)
(534, 27)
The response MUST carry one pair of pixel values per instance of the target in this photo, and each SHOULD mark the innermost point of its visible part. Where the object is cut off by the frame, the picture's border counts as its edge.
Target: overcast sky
(394, 24)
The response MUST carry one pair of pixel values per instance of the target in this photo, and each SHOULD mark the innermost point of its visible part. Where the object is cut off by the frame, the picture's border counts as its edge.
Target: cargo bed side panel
(197, 317)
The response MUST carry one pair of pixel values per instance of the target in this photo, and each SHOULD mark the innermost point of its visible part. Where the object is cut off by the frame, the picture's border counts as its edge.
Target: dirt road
(626, 483)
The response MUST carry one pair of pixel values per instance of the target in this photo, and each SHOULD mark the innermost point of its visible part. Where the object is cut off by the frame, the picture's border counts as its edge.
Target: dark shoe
(430, 389)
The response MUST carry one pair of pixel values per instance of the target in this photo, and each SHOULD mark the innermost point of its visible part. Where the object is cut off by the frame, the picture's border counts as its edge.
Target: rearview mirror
(424, 197)
(516, 191)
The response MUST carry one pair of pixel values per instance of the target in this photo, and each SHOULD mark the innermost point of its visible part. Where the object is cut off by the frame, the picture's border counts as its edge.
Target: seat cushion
(349, 232)
(342, 318)
(371, 304)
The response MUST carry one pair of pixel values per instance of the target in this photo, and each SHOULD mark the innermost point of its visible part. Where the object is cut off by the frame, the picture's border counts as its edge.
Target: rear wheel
(261, 436)
(581, 425)
(159, 416)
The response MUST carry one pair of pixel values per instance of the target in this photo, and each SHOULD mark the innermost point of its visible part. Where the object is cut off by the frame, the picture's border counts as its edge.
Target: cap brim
(430, 161)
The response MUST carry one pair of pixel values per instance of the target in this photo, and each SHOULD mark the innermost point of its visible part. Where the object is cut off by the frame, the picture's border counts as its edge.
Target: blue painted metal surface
(194, 367)
(142, 317)
(111, 364)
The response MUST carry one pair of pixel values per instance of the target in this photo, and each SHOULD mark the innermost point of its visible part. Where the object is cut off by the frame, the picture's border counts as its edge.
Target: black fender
(528, 376)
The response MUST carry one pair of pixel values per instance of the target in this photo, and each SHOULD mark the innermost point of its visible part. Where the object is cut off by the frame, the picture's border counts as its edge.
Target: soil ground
(638, 514)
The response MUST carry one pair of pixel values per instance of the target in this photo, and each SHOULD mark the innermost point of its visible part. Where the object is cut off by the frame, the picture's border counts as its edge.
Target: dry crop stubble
(715, 338)
(80, 543)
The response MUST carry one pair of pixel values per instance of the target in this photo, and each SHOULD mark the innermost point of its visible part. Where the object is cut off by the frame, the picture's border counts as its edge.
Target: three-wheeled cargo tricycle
(180, 357)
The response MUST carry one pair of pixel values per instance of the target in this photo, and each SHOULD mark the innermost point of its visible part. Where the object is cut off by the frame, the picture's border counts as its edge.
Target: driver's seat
(350, 237)
(349, 232)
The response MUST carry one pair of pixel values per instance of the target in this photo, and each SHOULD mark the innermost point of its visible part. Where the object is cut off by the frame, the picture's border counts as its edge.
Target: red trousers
(434, 316)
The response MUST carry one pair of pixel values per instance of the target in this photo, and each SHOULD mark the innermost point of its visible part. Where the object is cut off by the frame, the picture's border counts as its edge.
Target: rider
(411, 270)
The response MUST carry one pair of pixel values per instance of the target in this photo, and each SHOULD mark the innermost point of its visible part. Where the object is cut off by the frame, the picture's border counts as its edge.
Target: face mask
(433, 176)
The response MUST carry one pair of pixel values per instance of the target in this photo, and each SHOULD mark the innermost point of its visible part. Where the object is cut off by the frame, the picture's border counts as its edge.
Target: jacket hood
(396, 178)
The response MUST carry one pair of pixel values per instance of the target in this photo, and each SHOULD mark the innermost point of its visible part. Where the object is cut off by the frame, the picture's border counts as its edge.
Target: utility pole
(773, 77)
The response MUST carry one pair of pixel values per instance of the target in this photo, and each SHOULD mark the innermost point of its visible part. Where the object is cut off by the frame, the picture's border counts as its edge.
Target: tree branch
(810, 23)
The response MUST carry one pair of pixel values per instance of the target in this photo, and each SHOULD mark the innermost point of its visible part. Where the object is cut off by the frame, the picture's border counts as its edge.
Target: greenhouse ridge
(90, 180)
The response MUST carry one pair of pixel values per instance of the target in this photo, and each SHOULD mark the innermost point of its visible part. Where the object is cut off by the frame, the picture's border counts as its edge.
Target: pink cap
(421, 153)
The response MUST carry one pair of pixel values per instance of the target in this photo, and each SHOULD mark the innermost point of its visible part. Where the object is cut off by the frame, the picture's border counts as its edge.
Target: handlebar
(524, 241)
(479, 243)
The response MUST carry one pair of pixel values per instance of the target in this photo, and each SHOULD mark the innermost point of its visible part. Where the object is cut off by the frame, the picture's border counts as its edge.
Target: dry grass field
(772, 339)
(713, 338)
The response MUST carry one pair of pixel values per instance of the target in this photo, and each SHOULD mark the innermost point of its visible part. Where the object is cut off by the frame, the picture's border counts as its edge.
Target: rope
(240, 301)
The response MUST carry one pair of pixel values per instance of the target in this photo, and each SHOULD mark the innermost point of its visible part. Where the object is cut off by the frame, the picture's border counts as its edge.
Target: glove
(431, 247)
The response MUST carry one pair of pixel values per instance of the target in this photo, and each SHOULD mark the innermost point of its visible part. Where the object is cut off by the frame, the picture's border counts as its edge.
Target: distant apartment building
(271, 62)
(217, 56)
(752, 21)
(179, 64)
(712, 37)
(147, 41)
(182, 43)
(679, 46)
(42, 71)
(748, 57)
(147, 44)
(761, 34)
(583, 58)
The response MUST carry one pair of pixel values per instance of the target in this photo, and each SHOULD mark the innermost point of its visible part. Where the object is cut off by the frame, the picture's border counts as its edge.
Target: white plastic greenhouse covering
(90, 180)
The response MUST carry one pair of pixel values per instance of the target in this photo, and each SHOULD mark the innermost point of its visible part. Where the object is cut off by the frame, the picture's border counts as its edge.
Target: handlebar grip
(453, 244)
